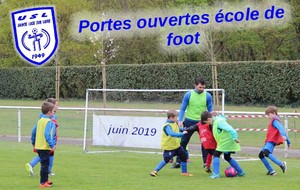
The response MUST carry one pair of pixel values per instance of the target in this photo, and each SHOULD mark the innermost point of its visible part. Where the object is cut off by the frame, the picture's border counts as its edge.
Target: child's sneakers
(46, 185)
(153, 174)
(207, 169)
(29, 169)
(283, 167)
(215, 176)
(187, 174)
(272, 173)
(241, 174)
(176, 165)
(49, 182)
(51, 174)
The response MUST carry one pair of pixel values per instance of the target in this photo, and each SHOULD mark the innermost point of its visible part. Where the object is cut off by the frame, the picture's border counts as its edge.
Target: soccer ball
(230, 172)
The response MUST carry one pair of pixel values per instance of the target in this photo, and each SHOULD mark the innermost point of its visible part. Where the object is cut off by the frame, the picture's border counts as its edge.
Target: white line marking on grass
(247, 159)
(104, 151)
(242, 159)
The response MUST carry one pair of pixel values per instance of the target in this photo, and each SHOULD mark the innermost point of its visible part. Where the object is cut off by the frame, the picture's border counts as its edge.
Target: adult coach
(194, 103)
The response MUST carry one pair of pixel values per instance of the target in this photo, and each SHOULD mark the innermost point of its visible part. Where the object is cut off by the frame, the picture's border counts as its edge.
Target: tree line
(251, 44)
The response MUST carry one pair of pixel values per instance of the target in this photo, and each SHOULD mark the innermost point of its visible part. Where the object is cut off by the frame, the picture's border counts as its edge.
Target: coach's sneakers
(187, 174)
(272, 173)
(153, 174)
(215, 176)
(283, 167)
(29, 169)
(176, 165)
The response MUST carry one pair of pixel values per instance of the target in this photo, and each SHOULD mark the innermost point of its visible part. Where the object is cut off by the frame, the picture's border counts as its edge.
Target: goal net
(129, 119)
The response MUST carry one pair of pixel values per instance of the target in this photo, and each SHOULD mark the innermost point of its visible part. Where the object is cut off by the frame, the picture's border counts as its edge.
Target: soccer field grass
(123, 170)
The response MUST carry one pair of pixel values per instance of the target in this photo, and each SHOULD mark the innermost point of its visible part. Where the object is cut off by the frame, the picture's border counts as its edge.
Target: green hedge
(33, 83)
(244, 83)
(261, 83)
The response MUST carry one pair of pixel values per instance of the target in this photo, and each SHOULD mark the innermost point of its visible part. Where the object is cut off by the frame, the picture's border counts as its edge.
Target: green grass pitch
(123, 170)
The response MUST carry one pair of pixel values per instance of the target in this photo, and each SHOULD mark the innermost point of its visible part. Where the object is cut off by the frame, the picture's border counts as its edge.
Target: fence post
(286, 123)
(19, 125)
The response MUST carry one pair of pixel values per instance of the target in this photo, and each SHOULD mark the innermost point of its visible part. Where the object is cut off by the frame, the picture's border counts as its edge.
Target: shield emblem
(35, 34)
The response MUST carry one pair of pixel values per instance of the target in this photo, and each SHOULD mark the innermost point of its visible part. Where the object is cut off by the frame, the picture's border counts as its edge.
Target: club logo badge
(35, 34)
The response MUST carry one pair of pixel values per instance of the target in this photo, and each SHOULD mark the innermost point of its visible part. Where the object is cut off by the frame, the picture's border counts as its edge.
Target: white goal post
(128, 132)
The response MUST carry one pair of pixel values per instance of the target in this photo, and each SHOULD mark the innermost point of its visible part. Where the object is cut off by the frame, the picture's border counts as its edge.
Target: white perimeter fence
(285, 117)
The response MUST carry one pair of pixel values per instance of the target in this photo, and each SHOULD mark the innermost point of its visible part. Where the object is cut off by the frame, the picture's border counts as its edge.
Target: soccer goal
(129, 119)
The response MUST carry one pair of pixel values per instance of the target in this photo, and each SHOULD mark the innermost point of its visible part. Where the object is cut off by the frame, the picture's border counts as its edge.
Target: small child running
(43, 140)
(227, 144)
(29, 166)
(171, 145)
(206, 137)
(274, 137)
